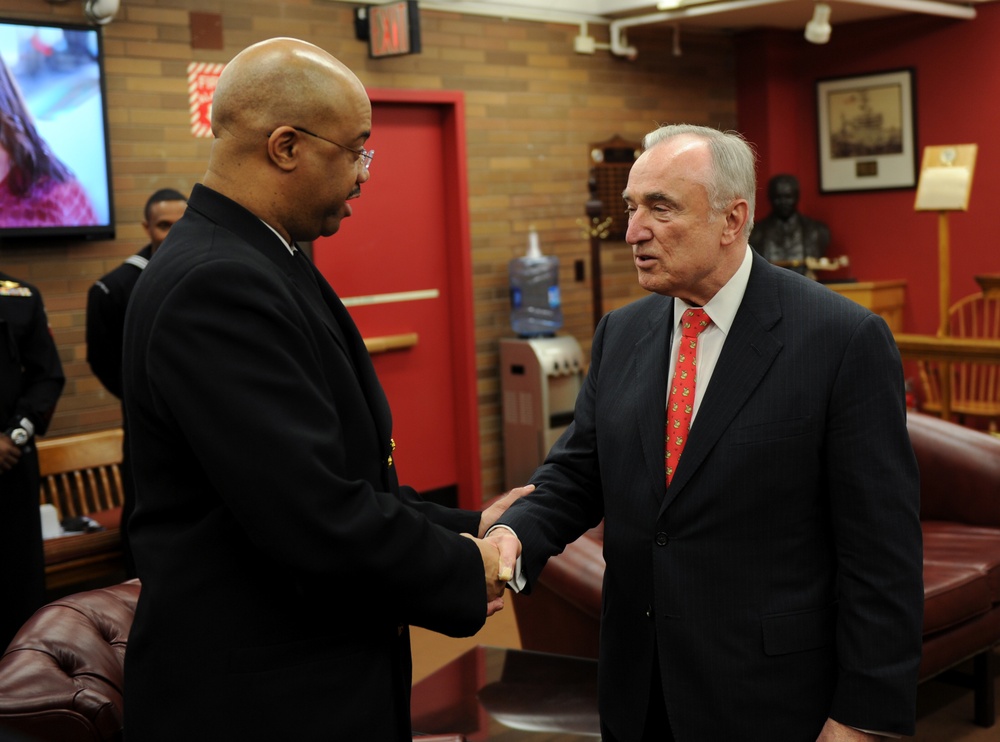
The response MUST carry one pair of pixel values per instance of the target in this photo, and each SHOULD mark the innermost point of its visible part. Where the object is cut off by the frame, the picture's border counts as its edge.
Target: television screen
(55, 173)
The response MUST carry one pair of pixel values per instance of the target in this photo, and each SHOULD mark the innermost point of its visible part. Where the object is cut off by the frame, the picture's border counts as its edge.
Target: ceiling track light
(818, 29)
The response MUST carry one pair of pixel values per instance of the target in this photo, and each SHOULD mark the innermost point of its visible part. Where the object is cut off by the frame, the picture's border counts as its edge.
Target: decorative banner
(202, 79)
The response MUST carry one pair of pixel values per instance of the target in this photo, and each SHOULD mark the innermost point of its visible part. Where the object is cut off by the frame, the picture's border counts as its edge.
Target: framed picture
(867, 133)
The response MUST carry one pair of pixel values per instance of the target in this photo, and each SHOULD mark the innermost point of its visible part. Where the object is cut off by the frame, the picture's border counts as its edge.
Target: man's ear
(736, 219)
(283, 147)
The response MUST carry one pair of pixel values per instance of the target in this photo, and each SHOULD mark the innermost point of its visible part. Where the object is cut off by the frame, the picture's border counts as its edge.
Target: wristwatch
(19, 436)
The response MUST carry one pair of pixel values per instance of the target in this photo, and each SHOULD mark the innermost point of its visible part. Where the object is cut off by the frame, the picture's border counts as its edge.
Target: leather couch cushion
(963, 545)
(953, 594)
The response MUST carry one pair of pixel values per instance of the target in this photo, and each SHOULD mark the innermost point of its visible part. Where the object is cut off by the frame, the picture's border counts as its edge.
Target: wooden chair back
(81, 473)
(975, 387)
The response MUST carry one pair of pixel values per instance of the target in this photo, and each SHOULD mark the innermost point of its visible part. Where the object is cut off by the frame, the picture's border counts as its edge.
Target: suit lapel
(348, 334)
(651, 355)
(748, 353)
(302, 271)
(345, 332)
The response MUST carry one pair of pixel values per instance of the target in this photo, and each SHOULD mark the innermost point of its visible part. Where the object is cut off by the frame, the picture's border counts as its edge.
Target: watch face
(19, 436)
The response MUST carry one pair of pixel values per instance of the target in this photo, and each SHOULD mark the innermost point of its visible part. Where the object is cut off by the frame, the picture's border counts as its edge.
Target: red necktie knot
(695, 322)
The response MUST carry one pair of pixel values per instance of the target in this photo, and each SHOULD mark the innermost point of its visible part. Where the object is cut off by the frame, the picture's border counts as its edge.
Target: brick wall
(532, 106)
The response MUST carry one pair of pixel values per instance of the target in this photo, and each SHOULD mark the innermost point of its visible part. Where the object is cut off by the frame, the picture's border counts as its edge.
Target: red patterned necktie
(681, 400)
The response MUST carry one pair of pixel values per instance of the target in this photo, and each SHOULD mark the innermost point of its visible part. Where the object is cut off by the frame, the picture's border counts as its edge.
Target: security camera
(101, 11)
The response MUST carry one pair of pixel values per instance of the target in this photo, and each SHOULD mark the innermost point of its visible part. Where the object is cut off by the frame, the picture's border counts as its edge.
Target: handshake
(499, 550)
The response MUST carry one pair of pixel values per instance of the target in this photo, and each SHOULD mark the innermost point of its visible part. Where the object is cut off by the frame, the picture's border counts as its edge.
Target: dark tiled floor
(944, 712)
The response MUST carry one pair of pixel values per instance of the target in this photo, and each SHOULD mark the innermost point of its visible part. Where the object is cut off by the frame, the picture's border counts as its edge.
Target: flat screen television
(55, 164)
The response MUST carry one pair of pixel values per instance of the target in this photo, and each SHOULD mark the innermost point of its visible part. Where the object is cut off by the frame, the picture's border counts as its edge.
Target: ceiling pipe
(619, 44)
(584, 43)
(504, 10)
(930, 7)
(621, 48)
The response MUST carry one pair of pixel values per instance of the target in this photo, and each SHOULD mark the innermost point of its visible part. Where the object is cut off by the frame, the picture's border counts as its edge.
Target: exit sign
(393, 29)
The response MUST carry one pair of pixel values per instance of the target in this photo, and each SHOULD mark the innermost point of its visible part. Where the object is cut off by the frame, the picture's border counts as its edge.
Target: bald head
(289, 120)
(267, 82)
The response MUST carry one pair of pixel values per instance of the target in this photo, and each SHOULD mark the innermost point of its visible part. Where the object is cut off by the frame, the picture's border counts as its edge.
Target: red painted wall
(957, 101)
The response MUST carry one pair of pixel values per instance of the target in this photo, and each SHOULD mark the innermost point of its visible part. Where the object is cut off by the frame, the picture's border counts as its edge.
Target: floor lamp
(945, 185)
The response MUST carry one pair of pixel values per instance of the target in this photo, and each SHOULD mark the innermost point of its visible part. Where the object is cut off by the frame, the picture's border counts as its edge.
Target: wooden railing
(946, 350)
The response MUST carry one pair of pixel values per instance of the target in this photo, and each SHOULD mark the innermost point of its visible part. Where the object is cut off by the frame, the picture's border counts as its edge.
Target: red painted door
(400, 263)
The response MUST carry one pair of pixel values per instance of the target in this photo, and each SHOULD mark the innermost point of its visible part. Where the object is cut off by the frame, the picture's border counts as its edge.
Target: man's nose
(636, 231)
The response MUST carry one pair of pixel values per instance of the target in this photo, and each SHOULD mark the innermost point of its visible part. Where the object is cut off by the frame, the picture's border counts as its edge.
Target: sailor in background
(107, 301)
(108, 297)
(31, 380)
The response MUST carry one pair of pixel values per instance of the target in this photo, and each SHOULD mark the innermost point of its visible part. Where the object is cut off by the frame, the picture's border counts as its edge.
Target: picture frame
(867, 132)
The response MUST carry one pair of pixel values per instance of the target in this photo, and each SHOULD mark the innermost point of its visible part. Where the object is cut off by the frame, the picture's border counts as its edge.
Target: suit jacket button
(649, 612)
(661, 539)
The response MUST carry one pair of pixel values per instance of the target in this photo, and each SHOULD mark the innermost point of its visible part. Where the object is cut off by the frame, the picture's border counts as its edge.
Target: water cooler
(539, 378)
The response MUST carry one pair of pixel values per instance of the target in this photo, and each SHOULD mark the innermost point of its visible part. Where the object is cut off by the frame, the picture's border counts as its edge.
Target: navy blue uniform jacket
(280, 560)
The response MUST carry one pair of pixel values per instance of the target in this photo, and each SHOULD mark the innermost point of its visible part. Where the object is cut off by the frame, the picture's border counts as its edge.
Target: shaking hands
(501, 550)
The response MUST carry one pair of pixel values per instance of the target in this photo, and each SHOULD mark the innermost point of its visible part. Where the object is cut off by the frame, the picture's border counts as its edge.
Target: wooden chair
(975, 387)
(81, 477)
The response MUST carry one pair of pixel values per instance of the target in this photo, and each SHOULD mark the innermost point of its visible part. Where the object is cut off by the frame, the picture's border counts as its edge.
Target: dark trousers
(22, 563)
(657, 726)
(657, 722)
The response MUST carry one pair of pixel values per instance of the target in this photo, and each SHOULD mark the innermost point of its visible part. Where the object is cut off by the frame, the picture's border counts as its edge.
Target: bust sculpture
(786, 237)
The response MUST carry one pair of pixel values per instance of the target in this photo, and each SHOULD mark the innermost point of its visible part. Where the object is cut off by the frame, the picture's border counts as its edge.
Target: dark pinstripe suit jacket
(778, 580)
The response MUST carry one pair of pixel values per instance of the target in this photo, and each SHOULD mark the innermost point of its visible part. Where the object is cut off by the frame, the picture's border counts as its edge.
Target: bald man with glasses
(280, 559)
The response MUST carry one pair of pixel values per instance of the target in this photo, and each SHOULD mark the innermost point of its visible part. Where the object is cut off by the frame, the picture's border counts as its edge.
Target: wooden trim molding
(947, 349)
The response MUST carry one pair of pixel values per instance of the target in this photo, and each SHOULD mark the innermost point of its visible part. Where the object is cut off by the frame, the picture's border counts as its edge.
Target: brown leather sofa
(61, 677)
(960, 516)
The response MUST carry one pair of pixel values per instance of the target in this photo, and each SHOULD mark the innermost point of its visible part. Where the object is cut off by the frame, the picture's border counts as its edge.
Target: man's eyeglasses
(367, 155)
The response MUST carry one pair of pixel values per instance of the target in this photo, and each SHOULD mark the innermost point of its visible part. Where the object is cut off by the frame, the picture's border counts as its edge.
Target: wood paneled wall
(532, 108)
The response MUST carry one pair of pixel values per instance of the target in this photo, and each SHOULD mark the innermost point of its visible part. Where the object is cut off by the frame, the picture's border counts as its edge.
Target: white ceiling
(719, 15)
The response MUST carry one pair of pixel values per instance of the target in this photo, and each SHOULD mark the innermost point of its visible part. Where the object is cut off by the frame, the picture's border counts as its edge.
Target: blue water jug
(535, 305)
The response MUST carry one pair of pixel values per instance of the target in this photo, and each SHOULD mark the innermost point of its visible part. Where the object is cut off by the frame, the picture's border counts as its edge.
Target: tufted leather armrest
(959, 471)
(61, 676)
